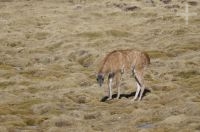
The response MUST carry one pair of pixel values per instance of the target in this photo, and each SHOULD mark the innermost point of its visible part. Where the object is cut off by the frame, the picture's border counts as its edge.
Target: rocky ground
(49, 56)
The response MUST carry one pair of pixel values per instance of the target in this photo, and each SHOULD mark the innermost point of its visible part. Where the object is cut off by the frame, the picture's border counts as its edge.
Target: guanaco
(118, 62)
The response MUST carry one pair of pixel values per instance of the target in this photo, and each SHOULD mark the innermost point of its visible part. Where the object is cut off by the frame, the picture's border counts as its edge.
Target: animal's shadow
(126, 95)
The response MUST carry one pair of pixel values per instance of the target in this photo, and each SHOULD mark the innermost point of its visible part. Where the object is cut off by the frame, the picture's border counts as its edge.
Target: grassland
(49, 55)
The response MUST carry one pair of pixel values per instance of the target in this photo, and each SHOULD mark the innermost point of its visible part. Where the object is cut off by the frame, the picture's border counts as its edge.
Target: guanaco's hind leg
(137, 91)
(142, 86)
(140, 83)
(110, 88)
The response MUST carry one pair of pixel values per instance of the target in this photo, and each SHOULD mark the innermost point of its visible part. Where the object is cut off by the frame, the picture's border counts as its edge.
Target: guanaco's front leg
(118, 82)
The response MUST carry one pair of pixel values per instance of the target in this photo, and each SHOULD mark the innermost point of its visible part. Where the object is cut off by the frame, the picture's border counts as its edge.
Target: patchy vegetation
(50, 51)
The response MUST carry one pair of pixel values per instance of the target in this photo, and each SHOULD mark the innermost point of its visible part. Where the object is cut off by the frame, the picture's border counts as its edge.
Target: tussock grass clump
(148, 77)
(33, 73)
(87, 60)
(41, 35)
(180, 31)
(94, 115)
(152, 97)
(117, 33)
(30, 121)
(90, 35)
(32, 89)
(120, 111)
(158, 54)
(5, 66)
(55, 45)
(83, 57)
(24, 107)
(80, 99)
(12, 120)
(15, 44)
(192, 46)
(4, 84)
(87, 82)
(184, 48)
(61, 121)
(43, 108)
(187, 74)
(174, 119)
(191, 82)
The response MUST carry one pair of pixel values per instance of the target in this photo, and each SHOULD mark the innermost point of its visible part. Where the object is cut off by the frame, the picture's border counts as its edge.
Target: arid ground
(50, 52)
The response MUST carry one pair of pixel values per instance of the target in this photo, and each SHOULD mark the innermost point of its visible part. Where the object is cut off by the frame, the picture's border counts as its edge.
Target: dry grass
(50, 51)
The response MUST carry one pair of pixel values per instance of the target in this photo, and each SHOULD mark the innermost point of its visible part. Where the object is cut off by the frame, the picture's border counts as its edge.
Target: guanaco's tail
(147, 58)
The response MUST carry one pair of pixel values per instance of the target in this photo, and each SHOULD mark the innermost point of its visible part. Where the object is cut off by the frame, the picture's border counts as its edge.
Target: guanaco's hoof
(109, 99)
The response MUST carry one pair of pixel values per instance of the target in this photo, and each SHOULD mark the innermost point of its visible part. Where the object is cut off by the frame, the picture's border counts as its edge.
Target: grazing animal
(118, 62)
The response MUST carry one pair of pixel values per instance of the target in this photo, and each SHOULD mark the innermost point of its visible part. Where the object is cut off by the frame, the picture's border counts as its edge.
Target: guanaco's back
(119, 59)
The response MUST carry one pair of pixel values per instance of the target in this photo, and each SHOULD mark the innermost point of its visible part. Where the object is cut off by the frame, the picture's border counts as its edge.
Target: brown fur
(115, 60)
(119, 61)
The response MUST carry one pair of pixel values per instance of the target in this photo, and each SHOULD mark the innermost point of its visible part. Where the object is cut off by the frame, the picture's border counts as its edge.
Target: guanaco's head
(100, 79)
